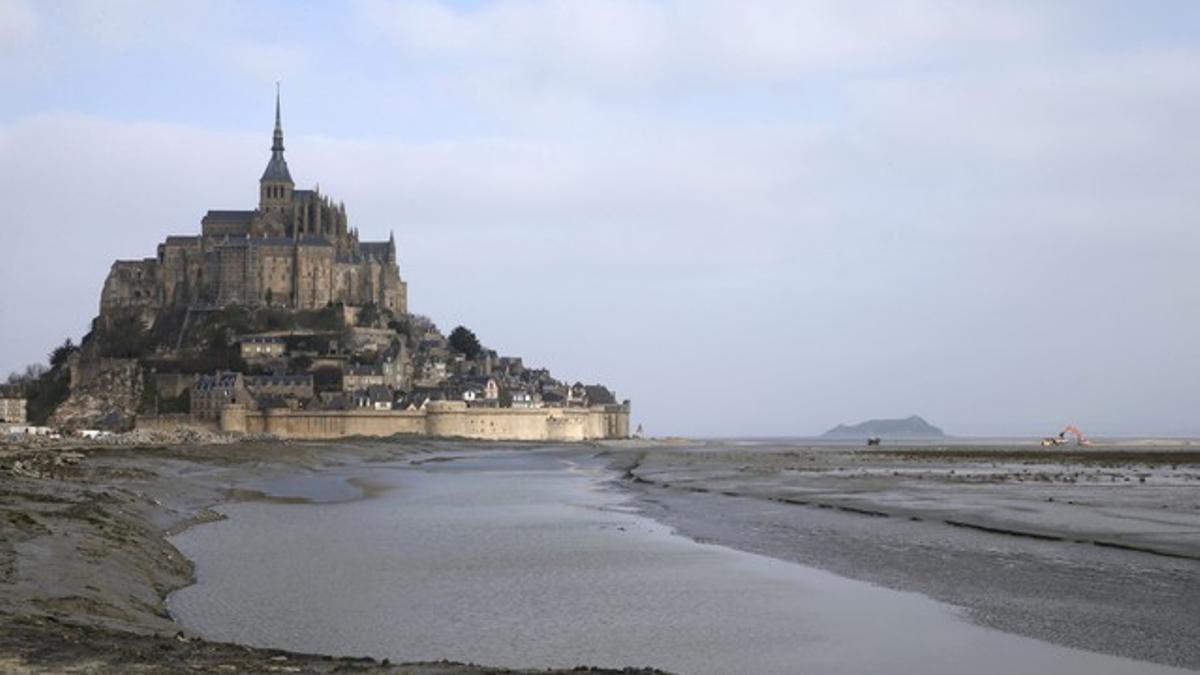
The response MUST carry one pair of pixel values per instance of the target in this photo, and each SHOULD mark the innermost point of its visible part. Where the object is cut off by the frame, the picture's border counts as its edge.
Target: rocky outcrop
(909, 427)
(105, 394)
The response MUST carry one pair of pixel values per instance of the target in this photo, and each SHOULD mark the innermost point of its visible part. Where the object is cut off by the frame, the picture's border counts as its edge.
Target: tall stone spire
(277, 169)
(277, 146)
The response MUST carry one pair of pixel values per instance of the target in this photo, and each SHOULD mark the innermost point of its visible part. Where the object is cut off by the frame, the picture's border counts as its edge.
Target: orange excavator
(1061, 438)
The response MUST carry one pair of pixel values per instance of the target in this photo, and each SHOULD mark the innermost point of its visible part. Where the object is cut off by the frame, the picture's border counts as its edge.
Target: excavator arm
(1080, 439)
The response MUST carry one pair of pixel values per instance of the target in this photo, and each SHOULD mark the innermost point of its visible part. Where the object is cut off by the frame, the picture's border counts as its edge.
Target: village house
(431, 372)
(396, 366)
(481, 392)
(255, 348)
(211, 393)
(509, 366)
(12, 405)
(355, 377)
(414, 402)
(376, 397)
(297, 387)
(334, 400)
(522, 398)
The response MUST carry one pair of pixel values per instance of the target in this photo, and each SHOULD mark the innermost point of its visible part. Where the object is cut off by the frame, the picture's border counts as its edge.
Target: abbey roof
(230, 216)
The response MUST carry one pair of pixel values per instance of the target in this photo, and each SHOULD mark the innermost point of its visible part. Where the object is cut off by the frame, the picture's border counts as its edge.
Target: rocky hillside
(105, 394)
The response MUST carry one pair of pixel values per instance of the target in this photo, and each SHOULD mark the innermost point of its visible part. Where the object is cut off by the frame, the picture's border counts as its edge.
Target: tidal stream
(536, 560)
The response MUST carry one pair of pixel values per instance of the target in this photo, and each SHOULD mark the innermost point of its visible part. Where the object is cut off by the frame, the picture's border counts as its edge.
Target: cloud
(19, 24)
(1086, 148)
(121, 25)
(64, 41)
(625, 43)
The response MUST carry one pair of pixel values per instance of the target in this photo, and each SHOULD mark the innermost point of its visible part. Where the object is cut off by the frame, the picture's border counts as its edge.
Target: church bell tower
(275, 186)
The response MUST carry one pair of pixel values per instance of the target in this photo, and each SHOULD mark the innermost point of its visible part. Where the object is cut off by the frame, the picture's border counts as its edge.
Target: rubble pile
(107, 399)
(136, 438)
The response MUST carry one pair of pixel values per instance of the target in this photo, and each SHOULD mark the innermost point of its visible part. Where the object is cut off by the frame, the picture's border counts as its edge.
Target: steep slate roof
(380, 250)
(380, 393)
(230, 216)
(261, 339)
(309, 240)
(277, 169)
(278, 380)
(226, 380)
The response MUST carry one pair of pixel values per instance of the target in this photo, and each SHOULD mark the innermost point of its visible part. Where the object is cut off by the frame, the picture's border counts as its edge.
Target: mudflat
(85, 565)
(1096, 548)
(537, 557)
(1089, 548)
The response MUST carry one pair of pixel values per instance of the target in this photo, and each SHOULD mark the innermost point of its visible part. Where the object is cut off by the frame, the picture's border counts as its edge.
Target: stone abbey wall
(442, 419)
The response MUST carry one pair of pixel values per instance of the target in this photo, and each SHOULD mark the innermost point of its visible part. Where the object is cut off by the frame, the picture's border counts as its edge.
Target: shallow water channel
(536, 560)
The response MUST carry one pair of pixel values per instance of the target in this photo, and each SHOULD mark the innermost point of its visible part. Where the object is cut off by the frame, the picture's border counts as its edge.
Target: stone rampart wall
(439, 419)
(454, 419)
(175, 422)
(303, 424)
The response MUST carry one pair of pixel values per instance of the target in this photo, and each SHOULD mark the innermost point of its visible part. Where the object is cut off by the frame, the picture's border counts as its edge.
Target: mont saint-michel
(281, 320)
(284, 400)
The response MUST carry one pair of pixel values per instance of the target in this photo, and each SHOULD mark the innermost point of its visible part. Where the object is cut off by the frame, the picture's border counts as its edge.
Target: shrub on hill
(463, 341)
(327, 380)
(123, 336)
(61, 353)
(44, 388)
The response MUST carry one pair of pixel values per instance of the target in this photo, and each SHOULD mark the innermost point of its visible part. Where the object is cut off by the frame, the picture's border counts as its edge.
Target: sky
(752, 218)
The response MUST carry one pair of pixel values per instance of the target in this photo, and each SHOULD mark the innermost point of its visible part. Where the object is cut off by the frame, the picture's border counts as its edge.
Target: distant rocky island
(913, 426)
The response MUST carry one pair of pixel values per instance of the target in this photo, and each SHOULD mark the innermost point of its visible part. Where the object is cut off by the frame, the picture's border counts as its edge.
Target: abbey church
(295, 250)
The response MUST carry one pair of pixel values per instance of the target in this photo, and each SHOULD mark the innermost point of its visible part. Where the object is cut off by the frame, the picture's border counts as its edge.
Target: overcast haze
(751, 218)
